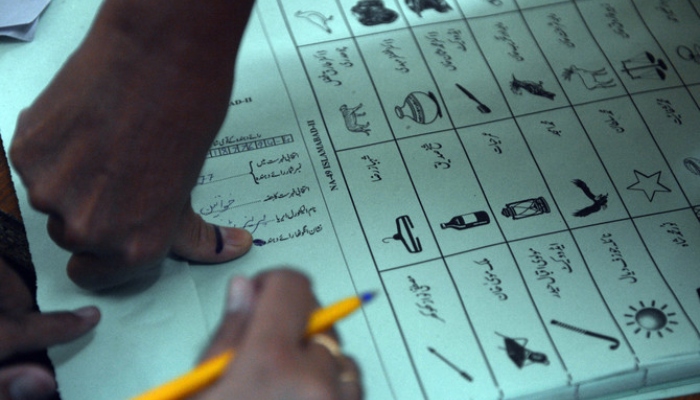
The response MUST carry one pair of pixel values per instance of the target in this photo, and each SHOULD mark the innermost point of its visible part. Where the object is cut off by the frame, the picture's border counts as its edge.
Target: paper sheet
(518, 180)
(18, 19)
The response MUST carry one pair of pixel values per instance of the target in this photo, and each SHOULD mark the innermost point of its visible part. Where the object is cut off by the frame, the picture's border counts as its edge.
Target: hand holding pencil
(267, 323)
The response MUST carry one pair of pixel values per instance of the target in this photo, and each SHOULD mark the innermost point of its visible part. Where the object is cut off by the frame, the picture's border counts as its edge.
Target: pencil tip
(367, 296)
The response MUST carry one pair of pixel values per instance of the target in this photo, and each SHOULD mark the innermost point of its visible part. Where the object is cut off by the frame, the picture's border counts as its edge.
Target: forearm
(200, 37)
(211, 28)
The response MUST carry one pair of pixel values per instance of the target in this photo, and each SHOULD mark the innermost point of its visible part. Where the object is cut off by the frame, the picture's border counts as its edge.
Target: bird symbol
(600, 202)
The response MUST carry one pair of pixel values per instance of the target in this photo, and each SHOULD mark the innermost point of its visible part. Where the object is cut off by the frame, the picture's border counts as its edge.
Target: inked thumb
(199, 241)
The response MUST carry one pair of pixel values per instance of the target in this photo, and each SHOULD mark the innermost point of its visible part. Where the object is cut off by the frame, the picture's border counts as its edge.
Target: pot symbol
(421, 107)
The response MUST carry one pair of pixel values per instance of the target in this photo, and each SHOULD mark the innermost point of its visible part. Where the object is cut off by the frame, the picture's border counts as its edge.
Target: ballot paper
(18, 19)
(519, 181)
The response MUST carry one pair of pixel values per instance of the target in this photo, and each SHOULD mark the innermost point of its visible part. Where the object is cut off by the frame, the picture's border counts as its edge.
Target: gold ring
(328, 342)
(348, 377)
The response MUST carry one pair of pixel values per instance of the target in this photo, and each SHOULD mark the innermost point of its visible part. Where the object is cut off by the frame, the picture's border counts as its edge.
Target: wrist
(194, 33)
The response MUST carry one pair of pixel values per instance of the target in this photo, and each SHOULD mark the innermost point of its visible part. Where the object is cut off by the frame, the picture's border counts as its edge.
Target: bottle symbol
(466, 221)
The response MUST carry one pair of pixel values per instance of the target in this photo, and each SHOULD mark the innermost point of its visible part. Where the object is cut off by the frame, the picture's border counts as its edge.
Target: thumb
(26, 382)
(239, 303)
(199, 241)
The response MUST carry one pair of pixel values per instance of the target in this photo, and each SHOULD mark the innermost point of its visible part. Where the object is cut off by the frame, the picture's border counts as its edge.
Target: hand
(23, 330)
(265, 323)
(113, 146)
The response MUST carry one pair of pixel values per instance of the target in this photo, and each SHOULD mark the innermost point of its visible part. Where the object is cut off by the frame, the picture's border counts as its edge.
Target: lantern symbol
(526, 208)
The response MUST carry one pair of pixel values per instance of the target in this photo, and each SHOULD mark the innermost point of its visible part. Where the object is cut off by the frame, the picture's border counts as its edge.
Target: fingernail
(31, 387)
(236, 238)
(90, 313)
(240, 295)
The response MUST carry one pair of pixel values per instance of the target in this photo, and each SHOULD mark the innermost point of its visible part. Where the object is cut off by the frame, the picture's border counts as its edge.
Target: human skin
(265, 323)
(112, 148)
(23, 329)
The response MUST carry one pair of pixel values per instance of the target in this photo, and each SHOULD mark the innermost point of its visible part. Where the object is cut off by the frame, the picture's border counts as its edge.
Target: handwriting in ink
(675, 231)
(252, 224)
(218, 207)
(425, 299)
(204, 179)
(494, 142)
(373, 167)
(671, 113)
(229, 140)
(391, 52)
(279, 160)
(294, 192)
(559, 29)
(303, 210)
(296, 234)
(504, 37)
(442, 162)
(274, 174)
(612, 121)
(627, 274)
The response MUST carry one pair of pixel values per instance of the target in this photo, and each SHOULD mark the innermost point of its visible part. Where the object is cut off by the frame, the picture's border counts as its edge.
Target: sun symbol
(652, 319)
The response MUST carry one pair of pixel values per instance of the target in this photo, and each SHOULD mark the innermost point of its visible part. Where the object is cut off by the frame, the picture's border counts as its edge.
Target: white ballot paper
(18, 19)
(519, 180)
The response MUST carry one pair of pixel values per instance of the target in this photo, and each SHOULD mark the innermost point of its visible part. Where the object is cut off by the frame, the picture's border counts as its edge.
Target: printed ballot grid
(526, 178)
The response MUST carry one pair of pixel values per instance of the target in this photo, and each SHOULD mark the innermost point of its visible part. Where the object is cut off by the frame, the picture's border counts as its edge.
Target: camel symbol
(350, 115)
(591, 79)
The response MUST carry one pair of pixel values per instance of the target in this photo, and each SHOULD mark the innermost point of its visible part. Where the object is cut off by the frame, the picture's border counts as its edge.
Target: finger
(239, 303)
(26, 382)
(350, 379)
(94, 272)
(56, 228)
(15, 297)
(199, 241)
(37, 331)
(283, 305)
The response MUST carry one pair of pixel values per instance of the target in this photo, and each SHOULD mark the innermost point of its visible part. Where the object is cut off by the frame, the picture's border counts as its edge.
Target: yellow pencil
(209, 371)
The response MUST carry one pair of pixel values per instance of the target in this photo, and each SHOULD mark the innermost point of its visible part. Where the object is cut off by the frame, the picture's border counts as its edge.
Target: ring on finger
(329, 343)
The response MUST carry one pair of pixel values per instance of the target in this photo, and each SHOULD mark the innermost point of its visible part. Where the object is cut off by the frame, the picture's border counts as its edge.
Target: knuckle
(67, 233)
(39, 199)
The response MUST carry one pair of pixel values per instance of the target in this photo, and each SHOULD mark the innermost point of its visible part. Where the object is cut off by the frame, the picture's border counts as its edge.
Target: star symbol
(649, 184)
